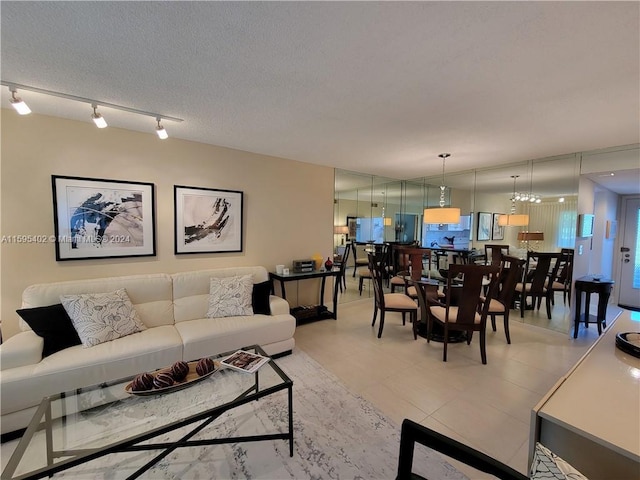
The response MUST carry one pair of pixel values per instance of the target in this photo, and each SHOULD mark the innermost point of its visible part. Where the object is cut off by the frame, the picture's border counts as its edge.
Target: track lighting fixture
(97, 118)
(162, 133)
(17, 103)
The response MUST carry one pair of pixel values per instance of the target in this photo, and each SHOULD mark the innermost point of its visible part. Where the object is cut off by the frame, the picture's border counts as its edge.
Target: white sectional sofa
(173, 309)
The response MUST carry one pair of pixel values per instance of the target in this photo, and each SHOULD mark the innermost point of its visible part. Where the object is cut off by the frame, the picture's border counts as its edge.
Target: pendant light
(442, 214)
(513, 219)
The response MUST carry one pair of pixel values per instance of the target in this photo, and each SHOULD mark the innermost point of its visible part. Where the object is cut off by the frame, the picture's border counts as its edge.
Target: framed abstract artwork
(99, 218)
(352, 223)
(497, 233)
(207, 220)
(484, 226)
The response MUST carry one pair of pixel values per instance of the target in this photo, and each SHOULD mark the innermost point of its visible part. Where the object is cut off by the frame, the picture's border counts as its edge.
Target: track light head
(162, 133)
(18, 104)
(97, 118)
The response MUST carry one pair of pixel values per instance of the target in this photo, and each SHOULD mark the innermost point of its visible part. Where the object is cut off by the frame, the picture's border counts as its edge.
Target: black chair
(389, 302)
(564, 278)
(493, 253)
(537, 278)
(413, 433)
(502, 302)
(342, 278)
(357, 262)
(470, 313)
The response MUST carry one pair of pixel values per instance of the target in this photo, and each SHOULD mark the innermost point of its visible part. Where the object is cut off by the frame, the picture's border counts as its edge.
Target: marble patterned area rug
(337, 435)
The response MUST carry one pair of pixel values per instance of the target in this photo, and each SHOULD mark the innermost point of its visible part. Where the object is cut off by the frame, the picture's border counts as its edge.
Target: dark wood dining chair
(493, 253)
(397, 280)
(502, 301)
(536, 280)
(342, 278)
(564, 278)
(389, 302)
(357, 262)
(470, 313)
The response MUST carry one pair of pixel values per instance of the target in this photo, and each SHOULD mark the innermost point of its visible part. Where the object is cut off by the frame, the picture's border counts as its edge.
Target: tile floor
(485, 406)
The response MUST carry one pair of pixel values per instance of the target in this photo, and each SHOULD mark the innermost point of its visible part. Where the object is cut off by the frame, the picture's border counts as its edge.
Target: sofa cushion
(53, 324)
(230, 296)
(151, 295)
(191, 289)
(260, 298)
(77, 367)
(208, 336)
(102, 317)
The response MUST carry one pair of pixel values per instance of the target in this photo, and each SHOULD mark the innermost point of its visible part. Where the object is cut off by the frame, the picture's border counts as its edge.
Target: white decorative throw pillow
(101, 317)
(230, 296)
(548, 465)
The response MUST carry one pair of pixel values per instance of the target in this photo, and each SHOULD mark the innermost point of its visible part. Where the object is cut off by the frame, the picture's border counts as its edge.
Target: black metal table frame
(322, 274)
(131, 444)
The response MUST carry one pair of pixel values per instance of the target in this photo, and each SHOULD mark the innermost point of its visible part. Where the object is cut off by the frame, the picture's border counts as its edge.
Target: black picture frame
(497, 231)
(484, 226)
(102, 218)
(207, 220)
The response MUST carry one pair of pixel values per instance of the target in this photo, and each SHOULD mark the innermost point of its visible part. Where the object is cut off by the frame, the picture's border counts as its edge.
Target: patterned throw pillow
(230, 296)
(547, 465)
(102, 317)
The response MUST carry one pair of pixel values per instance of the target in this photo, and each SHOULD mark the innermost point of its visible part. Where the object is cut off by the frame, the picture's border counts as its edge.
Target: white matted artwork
(498, 231)
(98, 218)
(207, 220)
(484, 226)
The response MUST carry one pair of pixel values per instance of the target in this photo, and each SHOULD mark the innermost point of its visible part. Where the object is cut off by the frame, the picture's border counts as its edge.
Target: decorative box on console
(303, 266)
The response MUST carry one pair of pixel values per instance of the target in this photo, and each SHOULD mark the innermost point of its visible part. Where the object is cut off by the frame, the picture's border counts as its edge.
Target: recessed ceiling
(375, 87)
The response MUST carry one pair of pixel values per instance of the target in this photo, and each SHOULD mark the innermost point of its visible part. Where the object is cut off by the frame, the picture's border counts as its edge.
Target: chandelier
(526, 197)
(513, 219)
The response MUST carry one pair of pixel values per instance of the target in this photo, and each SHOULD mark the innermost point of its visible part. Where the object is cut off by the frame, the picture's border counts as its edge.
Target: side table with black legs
(320, 311)
(592, 284)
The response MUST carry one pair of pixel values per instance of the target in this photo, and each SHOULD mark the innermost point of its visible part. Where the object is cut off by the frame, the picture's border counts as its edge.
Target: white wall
(605, 209)
(288, 205)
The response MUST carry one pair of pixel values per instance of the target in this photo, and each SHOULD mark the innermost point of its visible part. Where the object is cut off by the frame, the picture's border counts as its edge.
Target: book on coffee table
(244, 361)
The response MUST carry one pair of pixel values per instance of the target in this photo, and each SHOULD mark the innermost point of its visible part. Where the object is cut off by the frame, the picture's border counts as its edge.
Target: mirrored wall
(377, 209)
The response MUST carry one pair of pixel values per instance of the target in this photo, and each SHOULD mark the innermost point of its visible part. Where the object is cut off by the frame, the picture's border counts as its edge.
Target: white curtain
(557, 220)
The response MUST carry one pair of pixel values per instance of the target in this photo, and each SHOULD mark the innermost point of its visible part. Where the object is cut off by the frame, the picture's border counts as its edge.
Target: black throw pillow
(260, 298)
(52, 324)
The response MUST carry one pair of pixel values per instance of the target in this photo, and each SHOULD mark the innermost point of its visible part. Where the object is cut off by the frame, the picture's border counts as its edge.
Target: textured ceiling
(380, 87)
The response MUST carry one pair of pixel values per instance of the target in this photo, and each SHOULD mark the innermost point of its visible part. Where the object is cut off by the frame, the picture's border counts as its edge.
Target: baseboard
(627, 307)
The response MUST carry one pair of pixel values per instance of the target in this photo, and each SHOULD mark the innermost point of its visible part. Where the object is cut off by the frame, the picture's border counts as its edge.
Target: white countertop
(600, 397)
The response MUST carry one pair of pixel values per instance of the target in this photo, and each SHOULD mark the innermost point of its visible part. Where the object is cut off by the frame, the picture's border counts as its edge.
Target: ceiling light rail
(99, 120)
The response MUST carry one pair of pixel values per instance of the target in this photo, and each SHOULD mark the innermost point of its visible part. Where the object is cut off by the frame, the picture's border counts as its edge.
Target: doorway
(629, 272)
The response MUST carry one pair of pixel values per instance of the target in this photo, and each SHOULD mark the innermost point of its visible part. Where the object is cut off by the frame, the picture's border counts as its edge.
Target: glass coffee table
(72, 428)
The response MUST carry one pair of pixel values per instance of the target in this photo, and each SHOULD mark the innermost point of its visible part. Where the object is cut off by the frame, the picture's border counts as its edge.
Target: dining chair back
(502, 302)
(403, 260)
(342, 278)
(564, 278)
(357, 261)
(465, 310)
(493, 253)
(389, 302)
(536, 279)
